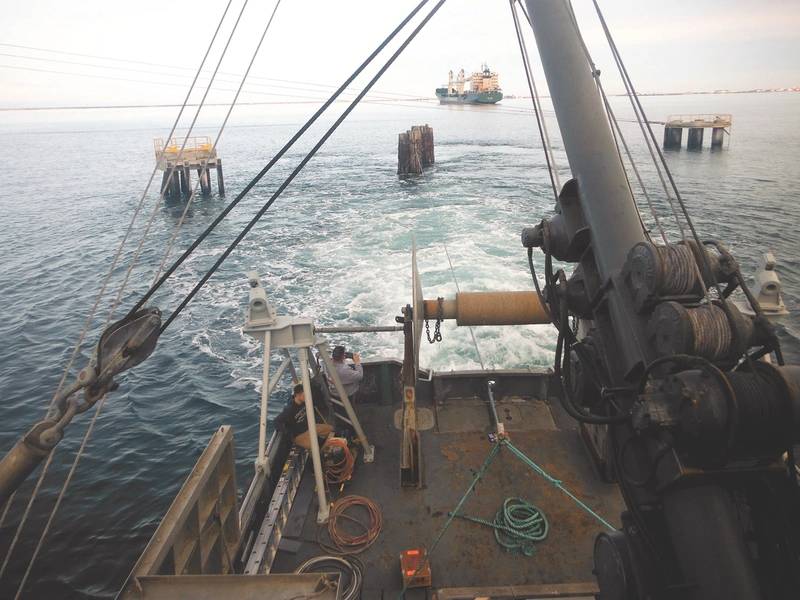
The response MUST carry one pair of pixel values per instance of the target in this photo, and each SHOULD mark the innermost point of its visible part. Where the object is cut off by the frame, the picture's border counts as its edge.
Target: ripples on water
(336, 246)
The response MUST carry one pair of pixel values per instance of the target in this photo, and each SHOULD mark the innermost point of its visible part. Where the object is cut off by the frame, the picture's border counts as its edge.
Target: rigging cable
(96, 304)
(172, 172)
(90, 429)
(186, 254)
(274, 160)
(171, 242)
(174, 67)
(377, 98)
(458, 291)
(613, 125)
(724, 303)
(537, 109)
(291, 176)
(595, 74)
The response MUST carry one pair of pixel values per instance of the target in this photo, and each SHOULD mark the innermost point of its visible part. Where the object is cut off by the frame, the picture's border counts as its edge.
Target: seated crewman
(349, 374)
(294, 420)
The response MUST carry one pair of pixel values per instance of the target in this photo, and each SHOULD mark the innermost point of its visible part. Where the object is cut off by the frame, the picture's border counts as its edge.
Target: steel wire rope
(95, 305)
(642, 119)
(458, 291)
(178, 226)
(172, 172)
(741, 344)
(635, 169)
(534, 92)
(595, 74)
(287, 181)
(172, 82)
(639, 120)
(616, 134)
(458, 288)
(180, 85)
(175, 67)
(612, 120)
(647, 132)
(61, 494)
(537, 108)
(150, 72)
(90, 428)
(219, 218)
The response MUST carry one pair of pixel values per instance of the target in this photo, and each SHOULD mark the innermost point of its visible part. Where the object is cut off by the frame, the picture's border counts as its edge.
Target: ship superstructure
(484, 88)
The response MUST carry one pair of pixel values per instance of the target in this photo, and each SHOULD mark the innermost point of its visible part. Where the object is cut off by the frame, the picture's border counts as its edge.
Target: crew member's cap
(338, 352)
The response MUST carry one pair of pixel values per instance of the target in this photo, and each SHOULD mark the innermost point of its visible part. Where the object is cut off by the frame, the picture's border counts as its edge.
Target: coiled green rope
(517, 526)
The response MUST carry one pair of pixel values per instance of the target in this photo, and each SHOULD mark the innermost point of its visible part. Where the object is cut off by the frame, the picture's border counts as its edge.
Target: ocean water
(336, 247)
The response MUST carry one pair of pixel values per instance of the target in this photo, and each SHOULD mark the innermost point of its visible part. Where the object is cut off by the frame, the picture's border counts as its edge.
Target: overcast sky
(668, 46)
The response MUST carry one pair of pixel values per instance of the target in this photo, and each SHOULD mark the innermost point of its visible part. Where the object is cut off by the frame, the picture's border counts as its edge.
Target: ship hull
(471, 98)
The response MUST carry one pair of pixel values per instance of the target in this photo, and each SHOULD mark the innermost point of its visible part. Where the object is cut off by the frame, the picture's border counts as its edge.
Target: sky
(673, 46)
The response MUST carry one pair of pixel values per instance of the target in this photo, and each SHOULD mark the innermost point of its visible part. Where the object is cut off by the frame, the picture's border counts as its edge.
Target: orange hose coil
(347, 543)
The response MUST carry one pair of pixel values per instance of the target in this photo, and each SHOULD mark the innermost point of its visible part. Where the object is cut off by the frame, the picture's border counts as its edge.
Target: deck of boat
(453, 450)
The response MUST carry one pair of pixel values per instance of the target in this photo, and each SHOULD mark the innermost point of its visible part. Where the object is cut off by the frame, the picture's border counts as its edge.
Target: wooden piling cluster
(696, 124)
(415, 150)
(198, 155)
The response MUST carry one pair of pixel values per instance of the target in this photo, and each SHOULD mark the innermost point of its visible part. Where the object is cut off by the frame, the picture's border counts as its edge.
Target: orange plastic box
(415, 568)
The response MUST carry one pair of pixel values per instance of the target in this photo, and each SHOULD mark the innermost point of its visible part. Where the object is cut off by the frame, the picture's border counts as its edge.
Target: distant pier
(720, 125)
(414, 150)
(198, 155)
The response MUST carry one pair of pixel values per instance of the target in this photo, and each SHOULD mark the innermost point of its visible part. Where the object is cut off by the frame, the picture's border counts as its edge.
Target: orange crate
(415, 568)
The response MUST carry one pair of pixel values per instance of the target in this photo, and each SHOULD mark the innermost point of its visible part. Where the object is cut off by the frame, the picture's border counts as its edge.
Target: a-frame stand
(295, 333)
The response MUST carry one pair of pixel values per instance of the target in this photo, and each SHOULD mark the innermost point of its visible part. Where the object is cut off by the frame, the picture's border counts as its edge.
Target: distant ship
(484, 88)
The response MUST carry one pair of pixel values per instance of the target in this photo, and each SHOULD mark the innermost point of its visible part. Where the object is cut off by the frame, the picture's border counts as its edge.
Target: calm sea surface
(335, 247)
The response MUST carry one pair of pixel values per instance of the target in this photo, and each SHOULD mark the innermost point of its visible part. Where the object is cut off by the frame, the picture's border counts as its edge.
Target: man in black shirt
(294, 420)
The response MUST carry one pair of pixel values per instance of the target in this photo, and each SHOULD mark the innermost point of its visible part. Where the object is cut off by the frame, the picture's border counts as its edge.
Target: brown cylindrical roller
(490, 308)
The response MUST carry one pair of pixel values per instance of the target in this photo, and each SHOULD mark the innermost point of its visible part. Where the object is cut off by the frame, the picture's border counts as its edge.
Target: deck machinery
(698, 440)
(670, 387)
(690, 427)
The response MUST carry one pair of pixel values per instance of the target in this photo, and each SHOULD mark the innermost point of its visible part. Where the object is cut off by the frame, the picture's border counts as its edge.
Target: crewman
(294, 420)
(349, 374)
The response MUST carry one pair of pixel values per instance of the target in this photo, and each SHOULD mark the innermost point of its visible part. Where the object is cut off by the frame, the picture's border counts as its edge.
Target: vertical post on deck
(324, 509)
(292, 370)
(410, 451)
(330, 369)
(261, 459)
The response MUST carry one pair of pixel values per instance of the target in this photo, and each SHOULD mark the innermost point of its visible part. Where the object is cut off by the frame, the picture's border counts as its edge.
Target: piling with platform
(415, 150)
(198, 155)
(720, 124)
